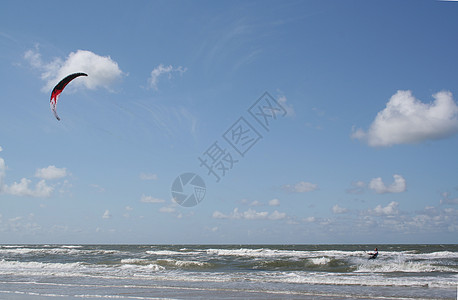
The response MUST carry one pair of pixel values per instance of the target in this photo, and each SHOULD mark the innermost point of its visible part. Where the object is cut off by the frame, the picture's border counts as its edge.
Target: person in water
(374, 254)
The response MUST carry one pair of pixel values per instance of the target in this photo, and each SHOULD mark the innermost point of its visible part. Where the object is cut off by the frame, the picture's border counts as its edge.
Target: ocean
(228, 272)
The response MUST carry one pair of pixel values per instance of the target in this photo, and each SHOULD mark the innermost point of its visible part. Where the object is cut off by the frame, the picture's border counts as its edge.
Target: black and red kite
(58, 90)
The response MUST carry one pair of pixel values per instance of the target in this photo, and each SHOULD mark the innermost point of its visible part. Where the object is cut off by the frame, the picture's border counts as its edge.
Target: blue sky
(363, 151)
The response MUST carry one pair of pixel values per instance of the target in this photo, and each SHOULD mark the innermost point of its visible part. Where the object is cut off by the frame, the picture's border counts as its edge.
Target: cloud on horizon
(389, 210)
(339, 210)
(301, 187)
(150, 199)
(249, 214)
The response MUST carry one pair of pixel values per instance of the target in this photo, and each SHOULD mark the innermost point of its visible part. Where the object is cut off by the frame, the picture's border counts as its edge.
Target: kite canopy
(57, 90)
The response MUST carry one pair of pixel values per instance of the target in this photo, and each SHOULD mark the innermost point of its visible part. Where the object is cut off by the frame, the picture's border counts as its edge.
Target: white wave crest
(14, 266)
(320, 260)
(54, 251)
(407, 267)
(143, 268)
(163, 252)
(183, 263)
(134, 261)
(262, 252)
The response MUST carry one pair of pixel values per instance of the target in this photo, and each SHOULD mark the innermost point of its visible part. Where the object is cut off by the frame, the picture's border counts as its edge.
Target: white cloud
(255, 203)
(357, 187)
(406, 120)
(167, 209)
(398, 186)
(189, 118)
(22, 189)
(97, 187)
(148, 176)
(218, 215)
(390, 209)
(51, 172)
(301, 187)
(2, 174)
(161, 70)
(21, 224)
(252, 214)
(274, 202)
(310, 219)
(288, 107)
(150, 199)
(276, 215)
(106, 214)
(339, 210)
(102, 70)
(388, 219)
(249, 214)
(446, 199)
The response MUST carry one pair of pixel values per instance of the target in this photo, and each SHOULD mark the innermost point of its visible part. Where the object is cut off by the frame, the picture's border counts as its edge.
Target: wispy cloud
(301, 187)
(99, 188)
(406, 120)
(2, 175)
(250, 214)
(150, 199)
(170, 120)
(357, 187)
(167, 209)
(148, 176)
(447, 199)
(162, 70)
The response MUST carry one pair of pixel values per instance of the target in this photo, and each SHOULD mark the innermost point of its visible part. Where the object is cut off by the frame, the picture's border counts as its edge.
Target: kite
(58, 90)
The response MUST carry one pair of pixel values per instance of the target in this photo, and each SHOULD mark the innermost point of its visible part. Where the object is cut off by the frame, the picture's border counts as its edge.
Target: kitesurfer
(374, 254)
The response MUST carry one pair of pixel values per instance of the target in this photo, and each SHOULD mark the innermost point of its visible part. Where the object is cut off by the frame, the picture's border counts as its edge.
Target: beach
(228, 272)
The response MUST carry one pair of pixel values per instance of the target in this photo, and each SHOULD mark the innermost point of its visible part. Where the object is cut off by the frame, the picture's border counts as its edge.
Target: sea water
(228, 272)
